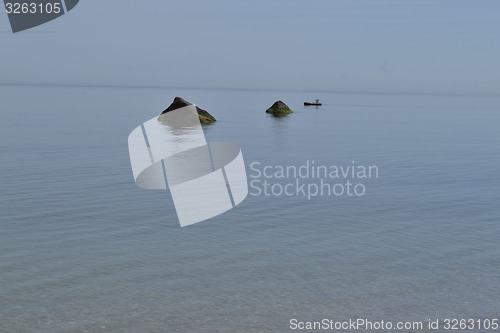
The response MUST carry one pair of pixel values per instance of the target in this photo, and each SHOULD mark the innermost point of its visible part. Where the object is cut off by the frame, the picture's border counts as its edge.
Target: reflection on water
(279, 129)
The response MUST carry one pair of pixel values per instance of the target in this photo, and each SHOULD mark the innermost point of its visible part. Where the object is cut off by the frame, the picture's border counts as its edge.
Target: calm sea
(83, 249)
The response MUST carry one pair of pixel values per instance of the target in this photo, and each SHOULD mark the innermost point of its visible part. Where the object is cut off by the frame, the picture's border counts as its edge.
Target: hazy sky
(415, 46)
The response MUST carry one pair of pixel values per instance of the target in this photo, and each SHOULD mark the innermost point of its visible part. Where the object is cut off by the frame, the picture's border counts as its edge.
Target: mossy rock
(203, 115)
(279, 109)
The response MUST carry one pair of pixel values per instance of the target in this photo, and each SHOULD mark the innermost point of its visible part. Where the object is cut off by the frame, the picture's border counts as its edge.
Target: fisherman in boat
(316, 103)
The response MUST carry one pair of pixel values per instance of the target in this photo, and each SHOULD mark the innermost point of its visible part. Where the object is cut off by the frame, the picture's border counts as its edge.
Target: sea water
(83, 249)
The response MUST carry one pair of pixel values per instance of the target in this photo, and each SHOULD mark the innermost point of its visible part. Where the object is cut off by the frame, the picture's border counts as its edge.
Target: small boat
(315, 103)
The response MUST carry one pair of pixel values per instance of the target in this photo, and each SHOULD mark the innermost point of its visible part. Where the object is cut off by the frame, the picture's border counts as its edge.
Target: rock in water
(279, 109)
(179, 102)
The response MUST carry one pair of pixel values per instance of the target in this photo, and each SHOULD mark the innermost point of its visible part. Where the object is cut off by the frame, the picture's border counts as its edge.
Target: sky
(388, 46)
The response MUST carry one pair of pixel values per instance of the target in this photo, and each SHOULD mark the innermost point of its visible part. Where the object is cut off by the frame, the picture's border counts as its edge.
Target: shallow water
(82, 248)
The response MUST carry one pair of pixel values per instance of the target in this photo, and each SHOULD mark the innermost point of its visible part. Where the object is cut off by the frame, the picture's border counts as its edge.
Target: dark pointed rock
(179, 102)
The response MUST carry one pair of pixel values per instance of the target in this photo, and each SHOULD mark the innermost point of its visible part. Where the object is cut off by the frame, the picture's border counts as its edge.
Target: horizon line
(117, 86)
